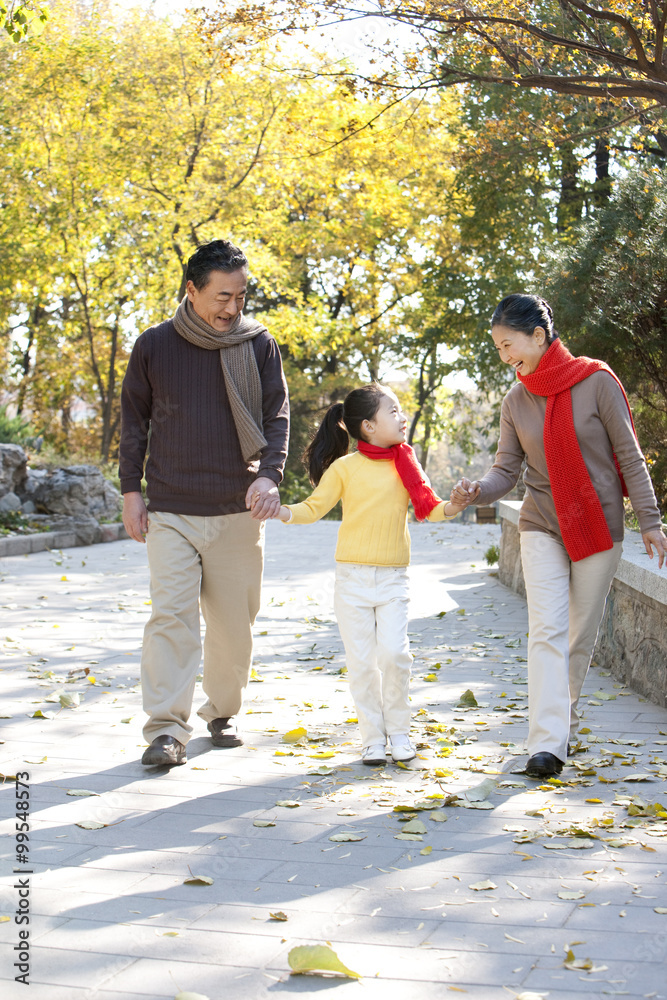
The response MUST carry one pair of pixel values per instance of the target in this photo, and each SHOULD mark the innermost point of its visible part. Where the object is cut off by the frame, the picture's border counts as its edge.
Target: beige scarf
(239, 369)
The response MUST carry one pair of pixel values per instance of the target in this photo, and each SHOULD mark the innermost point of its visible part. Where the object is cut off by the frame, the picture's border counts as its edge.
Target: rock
(13, 470)
(9, 502)
(78, 491)
(86, 529)
(28, 507)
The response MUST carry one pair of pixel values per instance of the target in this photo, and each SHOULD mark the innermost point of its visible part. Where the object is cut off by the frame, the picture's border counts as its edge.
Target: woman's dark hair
(524, 313)
(218, 255)
(341, 422)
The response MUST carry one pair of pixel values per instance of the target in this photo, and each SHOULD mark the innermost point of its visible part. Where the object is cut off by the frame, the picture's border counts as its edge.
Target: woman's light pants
(371, 604)
(565, 606)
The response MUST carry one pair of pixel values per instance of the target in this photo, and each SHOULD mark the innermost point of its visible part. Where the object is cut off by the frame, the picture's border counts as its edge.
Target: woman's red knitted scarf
(580, 516)
(412, 475)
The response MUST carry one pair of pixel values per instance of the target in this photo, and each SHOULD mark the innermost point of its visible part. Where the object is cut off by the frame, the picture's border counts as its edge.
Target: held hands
(263, 499)
(656, 540)
(464, 493)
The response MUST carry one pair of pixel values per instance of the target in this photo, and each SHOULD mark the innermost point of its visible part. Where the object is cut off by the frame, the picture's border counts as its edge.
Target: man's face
(221, 300)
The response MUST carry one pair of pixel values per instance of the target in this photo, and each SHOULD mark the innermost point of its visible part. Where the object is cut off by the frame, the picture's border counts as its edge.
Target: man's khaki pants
(565, 606)
(216, 562)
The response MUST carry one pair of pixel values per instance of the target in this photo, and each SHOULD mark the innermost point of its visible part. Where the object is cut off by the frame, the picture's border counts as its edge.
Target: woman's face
(519, 350)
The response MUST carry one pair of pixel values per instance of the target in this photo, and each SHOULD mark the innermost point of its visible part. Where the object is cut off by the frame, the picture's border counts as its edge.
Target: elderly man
(205, 392)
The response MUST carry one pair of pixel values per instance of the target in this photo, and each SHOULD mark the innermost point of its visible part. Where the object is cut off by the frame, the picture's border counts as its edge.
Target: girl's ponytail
(330, 442)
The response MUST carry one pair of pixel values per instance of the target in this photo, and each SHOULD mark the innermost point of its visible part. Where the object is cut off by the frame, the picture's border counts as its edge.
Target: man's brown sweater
(176, 391)
(603, 427)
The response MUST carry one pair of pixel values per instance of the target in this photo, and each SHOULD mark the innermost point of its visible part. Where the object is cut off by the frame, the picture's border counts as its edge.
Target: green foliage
(13, 522)
(492, 555)
(22, 18)
(609, 293)
(13, 430)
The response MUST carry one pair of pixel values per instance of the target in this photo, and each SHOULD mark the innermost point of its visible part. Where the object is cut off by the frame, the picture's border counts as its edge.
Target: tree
(119, 168)
(613, 53)
(609, 293)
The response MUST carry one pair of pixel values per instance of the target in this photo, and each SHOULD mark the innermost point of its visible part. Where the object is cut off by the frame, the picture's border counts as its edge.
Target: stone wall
(59, 507)
(632, 642)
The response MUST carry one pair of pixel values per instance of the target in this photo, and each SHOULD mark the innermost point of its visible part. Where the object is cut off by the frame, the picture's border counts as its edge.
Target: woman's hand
(658, 540)
(464, 493)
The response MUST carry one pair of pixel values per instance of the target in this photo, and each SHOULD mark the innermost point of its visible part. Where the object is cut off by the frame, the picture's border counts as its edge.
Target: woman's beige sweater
(603, 427)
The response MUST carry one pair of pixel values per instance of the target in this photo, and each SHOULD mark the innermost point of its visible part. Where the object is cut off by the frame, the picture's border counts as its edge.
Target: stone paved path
(508, 878)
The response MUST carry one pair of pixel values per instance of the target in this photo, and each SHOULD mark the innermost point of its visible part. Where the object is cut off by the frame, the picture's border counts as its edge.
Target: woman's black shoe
(543, 765)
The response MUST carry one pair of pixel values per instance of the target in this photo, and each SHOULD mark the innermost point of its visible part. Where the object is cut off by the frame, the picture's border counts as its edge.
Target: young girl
(375, 484)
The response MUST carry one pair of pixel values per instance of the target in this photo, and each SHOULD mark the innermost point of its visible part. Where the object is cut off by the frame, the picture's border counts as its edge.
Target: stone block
(76, 491)
(13, 469)
(510, 572)
(632, 642)
(15, 546)
(10, 502)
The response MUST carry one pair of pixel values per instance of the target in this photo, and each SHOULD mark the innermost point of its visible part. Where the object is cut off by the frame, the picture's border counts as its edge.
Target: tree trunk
(571, 200)
(109, 424)
(33, 323)
(602, 186)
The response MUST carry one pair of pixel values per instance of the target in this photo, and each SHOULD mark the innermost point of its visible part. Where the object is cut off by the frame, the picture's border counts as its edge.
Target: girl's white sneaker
(374, 755)
(402, 749)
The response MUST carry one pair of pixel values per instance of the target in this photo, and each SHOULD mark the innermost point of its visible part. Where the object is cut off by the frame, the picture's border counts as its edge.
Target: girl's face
(388, 425)
(517, 349)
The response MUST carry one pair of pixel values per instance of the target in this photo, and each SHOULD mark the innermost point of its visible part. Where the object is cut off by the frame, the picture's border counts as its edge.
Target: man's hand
(135, 516)
(464, 493)
(263, 499)
(656, 540)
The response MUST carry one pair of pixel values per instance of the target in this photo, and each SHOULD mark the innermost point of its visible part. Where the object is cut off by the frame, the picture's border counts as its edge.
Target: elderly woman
(569, 418)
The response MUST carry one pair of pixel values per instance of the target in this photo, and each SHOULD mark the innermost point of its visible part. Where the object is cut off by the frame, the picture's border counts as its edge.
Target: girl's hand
(656, 540)
(283, 515)
(464, 493)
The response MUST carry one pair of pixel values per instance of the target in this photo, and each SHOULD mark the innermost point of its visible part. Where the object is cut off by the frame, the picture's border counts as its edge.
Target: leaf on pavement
(198, 880)
(70, 700)
(467, 700)
(480, 886)
(480, 792)
(318, 958)
(344, 838)
(82, 792)
(294, 735)
(263, 822)
(415, 826)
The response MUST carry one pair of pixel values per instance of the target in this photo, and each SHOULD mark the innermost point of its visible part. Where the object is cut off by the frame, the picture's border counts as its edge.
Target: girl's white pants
(371, 604)
(565, 606)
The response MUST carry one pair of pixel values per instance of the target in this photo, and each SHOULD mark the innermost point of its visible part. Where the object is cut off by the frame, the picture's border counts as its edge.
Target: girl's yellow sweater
(374, 529)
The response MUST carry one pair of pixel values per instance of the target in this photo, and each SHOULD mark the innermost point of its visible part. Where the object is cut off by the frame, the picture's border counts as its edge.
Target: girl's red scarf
(580, 516)
(412, 475)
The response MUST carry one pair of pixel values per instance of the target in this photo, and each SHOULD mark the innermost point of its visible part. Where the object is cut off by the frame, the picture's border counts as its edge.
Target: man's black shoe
(164, 751)
(543, 765)
(224, 733)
